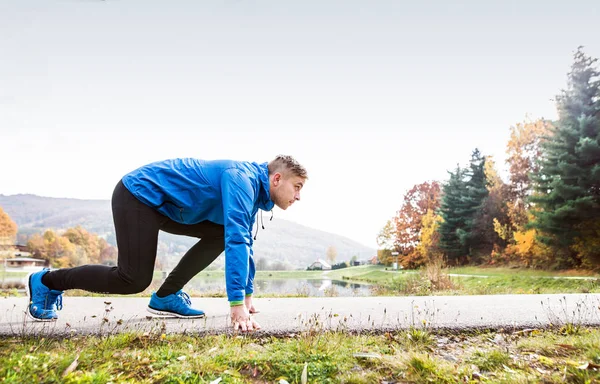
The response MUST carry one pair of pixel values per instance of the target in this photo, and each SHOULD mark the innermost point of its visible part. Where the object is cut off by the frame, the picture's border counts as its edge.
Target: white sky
(372, 97)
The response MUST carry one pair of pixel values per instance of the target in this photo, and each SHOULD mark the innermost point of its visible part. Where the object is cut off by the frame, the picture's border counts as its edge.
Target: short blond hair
(287, 164)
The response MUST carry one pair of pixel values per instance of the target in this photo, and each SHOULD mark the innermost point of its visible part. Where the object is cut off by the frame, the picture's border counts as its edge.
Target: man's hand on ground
(250, 305)
(242, 319)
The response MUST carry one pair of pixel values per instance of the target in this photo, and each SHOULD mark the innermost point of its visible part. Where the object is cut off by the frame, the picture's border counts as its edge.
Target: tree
(75, 247)
(430, 236)
(462, 211)
(387, 236)
(472, 208)
(36, 246)
(8, 229)
(453, 219)
(331, 254)
(524, 148)
(384, 256)
(492, 209)
(408, 221)
(262, 264)
(568, 184)
(89, 244)
(108, 253)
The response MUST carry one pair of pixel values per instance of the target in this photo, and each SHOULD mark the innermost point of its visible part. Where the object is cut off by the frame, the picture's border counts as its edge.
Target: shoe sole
(173, 314)
(28, 290)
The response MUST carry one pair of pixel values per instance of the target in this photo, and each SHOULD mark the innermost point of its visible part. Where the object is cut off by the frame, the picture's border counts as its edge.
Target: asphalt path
(281, 316)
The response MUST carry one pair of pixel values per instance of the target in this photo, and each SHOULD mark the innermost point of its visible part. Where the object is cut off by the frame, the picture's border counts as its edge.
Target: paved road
(84, 315)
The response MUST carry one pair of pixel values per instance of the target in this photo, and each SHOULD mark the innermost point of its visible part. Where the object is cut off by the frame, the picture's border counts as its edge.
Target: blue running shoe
(176, 304)
(43, 301)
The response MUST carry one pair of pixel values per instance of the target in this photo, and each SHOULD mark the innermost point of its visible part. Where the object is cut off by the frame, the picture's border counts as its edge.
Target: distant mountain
(281, 241)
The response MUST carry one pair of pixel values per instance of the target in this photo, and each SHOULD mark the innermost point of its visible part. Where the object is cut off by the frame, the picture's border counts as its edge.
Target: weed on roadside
(413, 355)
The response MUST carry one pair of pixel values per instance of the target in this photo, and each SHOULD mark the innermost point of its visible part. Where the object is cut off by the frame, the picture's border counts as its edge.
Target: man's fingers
(255, 325)
(236, 326)
(244, 327)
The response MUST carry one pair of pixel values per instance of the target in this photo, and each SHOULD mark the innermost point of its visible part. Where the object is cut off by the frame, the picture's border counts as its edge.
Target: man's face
(285, 190)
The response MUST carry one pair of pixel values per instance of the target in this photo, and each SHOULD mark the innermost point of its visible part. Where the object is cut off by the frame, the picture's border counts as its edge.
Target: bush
(341, 265)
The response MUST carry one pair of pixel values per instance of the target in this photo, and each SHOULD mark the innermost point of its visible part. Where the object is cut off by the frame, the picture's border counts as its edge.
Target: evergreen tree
(473, 203)
(567, 186)
(452, 213)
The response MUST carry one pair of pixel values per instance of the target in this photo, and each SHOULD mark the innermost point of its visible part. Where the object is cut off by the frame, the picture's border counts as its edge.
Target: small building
(320, 264)
(24, 264)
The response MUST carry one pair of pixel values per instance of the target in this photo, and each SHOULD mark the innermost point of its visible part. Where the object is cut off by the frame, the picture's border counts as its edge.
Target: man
(216, 201)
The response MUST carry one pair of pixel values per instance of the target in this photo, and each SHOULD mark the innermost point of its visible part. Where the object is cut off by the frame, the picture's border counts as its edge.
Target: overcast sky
(372, 97)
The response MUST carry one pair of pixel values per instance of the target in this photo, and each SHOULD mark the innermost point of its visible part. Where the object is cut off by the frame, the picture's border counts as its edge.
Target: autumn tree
(408, 221)
(91, 248)
(523, 149)
(384, 256)
(75, 247)
(429, 244)
(54, 248)
(8, 229)
(492, 209)
(331, 254)
(108, 253)
(387, 235)
(568, 183)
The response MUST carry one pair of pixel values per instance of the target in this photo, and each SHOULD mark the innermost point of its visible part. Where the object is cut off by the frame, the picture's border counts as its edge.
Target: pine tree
(453, 217)
(473, 203)
(567, 187)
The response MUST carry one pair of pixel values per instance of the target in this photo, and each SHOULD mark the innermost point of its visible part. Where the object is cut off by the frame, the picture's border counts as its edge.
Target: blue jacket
(224, 192)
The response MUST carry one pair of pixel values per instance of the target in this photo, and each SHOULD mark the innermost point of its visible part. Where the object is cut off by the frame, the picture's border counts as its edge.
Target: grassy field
(473, 281)
(503, 271)
(570, 354)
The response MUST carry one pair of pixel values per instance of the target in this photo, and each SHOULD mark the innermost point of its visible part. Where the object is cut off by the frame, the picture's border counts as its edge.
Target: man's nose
(297, 197)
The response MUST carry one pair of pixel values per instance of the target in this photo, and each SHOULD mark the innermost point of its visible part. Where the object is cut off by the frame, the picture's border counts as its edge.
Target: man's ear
(276, 178)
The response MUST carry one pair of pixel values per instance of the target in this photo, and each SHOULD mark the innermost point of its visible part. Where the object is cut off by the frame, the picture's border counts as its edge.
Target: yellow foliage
(525, 241)
(385, 256)
(528, 250)
(8, 228)
(491, 175)
(503, 231)
(429, 240)
(75, 247)
(588, 245)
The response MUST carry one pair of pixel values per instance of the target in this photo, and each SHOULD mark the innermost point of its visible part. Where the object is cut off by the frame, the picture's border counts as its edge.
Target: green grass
(351, 272)
(503, 271)
(13, 274)
(500, 281)
(414, 355)
(517, 284)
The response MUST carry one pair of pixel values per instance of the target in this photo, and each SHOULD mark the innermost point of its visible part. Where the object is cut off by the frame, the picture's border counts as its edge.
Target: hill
(281, 241)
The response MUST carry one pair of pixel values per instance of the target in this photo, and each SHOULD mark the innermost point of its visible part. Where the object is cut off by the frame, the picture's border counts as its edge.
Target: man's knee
(135, 283)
